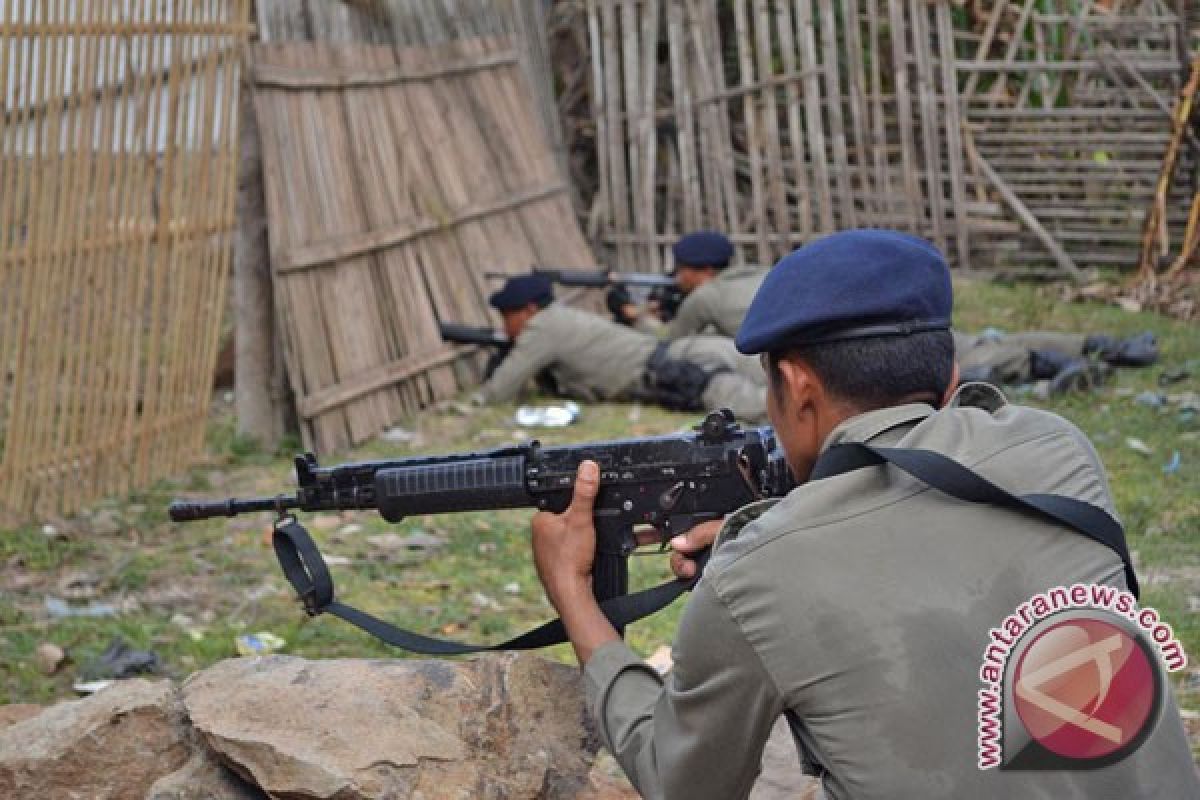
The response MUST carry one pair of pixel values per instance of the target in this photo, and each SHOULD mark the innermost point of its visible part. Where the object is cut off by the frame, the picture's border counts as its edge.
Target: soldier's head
(850, 323)
(699, 257)
(520, 299)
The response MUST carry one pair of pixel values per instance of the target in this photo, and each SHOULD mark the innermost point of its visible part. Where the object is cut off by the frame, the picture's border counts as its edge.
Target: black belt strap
(947, 475)
(306, 570)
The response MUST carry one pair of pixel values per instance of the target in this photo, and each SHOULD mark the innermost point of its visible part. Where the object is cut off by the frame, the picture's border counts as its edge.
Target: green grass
(223, 576)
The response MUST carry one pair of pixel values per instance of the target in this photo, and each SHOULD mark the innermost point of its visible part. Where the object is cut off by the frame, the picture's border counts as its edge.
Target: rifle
(499, 345)
(656, 287)
(496, 342)
(469, 334)
(669, 482)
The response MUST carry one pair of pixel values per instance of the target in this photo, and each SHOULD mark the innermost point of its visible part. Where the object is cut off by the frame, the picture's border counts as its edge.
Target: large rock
(501, 726)
(203, 778)
(110, 746)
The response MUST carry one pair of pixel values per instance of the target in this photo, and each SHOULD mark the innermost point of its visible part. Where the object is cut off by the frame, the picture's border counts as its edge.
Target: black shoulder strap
(305, 569)
(947, 475)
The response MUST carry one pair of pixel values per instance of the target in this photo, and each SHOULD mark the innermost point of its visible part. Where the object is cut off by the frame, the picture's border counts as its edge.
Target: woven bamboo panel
(117, 155)
(1071, 113)
(773, 121)
(394, 179)
(1031, 140)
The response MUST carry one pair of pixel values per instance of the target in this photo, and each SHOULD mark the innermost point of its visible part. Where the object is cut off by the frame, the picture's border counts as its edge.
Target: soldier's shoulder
(751, 527)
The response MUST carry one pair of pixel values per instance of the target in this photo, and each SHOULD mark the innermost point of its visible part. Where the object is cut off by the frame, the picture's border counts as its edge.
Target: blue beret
(703, 249)
(520, 291)
(850, 285)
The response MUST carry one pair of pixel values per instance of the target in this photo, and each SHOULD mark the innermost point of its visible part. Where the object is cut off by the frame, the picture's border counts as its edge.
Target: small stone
(51, 532)
(512, 588)
(78, 585)
(105, 523)
(420, 540)
(1138, 446)
(389, 542)
(487, 548)
(483, 602)
(49, 658)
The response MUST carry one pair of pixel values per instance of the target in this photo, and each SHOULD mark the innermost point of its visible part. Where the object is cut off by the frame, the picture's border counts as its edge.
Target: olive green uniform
(718, 306)
(1009, 355)
(861, 603)
(592, 359)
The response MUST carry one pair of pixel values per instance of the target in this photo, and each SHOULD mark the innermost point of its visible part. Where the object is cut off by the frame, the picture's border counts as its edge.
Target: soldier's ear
(799, 386)
(955, 376)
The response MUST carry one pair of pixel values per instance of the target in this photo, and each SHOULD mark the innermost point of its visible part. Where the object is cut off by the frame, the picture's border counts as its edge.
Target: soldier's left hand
(564, 545)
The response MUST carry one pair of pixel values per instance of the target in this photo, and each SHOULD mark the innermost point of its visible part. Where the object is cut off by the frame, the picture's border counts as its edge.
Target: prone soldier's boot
(1136, 351)
(1066, 373)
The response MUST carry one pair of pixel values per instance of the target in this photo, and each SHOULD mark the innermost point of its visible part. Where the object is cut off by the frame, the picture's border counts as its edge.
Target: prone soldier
(716, 295)
(1067, 360)
(591, 358)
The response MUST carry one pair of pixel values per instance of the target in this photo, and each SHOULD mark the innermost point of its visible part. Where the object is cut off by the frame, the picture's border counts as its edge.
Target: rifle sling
(306, 570)
(948, 476)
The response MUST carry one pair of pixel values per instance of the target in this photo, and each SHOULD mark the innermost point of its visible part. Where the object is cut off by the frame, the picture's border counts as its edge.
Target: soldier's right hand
(621, 306)
(685, 545)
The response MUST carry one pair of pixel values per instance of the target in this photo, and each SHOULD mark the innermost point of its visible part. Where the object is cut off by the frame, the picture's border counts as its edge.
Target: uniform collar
(866, 427)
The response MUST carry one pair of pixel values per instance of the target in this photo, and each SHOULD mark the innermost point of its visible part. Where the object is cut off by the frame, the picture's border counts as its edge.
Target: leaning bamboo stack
(117, 157)
(395, 178)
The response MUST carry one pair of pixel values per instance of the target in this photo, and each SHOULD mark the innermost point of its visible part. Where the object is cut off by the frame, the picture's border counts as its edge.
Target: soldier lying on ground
(716, 295)
(591, 358)
(1069, 361)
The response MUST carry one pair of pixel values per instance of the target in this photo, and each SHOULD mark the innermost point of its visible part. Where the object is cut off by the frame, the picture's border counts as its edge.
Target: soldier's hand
(564, 545)
(688, 544)
(621, 306)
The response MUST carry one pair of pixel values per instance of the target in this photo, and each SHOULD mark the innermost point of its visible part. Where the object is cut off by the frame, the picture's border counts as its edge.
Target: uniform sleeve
(529, 356)
(700, 733)
(648, 323)
(692, 317)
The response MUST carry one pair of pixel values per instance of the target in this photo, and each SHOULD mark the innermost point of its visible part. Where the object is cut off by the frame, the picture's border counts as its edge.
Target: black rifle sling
(947, 475)
(305, 569)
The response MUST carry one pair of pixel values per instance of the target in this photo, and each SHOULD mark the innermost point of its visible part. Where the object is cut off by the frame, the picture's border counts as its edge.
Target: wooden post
(258, 375)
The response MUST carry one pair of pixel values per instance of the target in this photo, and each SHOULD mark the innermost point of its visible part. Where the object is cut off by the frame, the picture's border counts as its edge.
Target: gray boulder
(500, 726)
(110, 746)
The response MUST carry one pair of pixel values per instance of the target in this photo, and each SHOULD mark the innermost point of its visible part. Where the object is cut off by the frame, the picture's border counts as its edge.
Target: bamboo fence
(1030, 141)
(117, 156)
(263, 404)
(1070, 114)
(394, 178)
